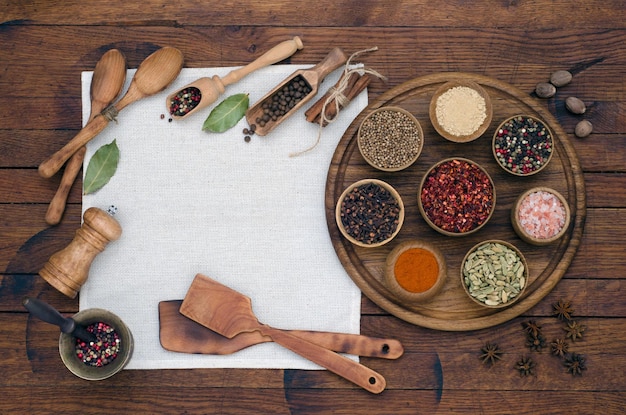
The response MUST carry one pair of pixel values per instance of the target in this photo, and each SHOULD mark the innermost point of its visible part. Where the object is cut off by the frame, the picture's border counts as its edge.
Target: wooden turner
(178, 333)
(229, 313)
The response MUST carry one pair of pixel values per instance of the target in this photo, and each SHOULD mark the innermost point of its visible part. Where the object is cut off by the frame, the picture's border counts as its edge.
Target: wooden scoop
(177, 333)
(106, 85)
(313, 76)
(154, 74)
(212, 88)
(229, 313)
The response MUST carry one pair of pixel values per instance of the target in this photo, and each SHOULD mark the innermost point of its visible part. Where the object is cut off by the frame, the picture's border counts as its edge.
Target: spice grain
(461, 110)
(541, 215)
(185, 101)
(104, 350)
(522, 145)
(283, 100)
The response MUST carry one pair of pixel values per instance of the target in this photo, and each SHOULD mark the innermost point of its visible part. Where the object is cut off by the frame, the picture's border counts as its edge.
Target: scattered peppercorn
(247, 139)
(102, 352)
(184, 101)
(523, 145)
(457, 196)
(284, 100)
(162, 116)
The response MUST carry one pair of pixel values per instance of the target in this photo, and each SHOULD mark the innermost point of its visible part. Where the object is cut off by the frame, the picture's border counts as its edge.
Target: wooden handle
(353, 343)
(54, 163)
(336, 363)
(332, 61)
(57, 205)
(276, 54)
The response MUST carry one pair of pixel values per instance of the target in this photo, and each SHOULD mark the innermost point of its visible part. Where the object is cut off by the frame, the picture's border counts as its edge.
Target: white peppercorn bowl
(525, 236)
(67, 346)
(523, 281)
(507, 169)
(395, 150)
(432, 111)
(382, 184)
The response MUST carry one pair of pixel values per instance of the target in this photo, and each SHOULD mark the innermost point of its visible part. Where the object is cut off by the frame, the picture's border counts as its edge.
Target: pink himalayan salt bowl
(540, 216)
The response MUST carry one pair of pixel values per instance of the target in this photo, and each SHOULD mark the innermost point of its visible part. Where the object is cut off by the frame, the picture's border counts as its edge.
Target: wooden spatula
(229, 313)
(178, 333)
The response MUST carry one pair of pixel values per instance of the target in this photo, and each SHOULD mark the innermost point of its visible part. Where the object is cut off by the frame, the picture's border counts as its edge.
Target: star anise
(535, 343)
(491, 353)
(563, 310)
(575, 363)
(559, 347)
(525, 366)
(532, 328)
(574, 330)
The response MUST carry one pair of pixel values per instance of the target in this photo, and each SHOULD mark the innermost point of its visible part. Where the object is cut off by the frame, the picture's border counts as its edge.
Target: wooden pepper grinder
(68, 269)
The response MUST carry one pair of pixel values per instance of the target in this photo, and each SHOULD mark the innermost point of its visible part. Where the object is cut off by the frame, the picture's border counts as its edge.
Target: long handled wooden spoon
(178, 333)
(106, 85)
(229, 313)
(211, 88)
(154, 74)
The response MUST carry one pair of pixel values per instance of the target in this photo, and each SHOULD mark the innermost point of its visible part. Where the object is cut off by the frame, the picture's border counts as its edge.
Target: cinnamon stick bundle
(355, 84)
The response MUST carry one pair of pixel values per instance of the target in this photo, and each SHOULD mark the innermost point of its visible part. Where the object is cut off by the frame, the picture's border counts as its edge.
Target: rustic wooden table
(45, 46)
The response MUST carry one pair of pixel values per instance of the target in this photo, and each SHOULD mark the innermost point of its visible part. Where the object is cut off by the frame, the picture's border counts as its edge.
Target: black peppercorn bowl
(67, 346)
(523, 145)
(369, 213)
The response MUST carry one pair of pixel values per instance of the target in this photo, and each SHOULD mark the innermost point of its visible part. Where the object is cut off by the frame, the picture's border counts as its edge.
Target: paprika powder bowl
(390, 139)
(67, 346)
(540, 216)
(523, 145)
(494, 274)
(451, 103)
(456, 197)
(369, 213)
(415, 271)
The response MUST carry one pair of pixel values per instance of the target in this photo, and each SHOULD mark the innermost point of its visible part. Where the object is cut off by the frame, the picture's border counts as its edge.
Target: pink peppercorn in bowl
(460, 111)
(457, 197)
(104, 359)
(523, 145)
(540, 216)
(369, 213)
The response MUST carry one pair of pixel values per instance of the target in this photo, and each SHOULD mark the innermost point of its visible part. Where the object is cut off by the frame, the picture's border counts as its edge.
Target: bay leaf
(101, 168)
(227, 113)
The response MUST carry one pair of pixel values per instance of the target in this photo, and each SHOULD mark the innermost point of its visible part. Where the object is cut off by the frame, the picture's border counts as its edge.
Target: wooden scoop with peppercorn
(153, 75)
(229, 313)
(205, 91)
(291, 94)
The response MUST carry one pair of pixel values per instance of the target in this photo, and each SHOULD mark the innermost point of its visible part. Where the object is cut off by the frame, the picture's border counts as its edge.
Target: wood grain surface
(46, 44)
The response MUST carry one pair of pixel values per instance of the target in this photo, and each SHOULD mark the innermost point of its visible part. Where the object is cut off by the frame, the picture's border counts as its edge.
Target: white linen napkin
(244, 213)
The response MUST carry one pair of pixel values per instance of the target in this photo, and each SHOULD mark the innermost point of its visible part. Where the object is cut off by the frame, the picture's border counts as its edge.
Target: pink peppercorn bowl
(485, 207)
(534, 159)
(441, 129)
(67, 346)
(552, 235)
(393, 193)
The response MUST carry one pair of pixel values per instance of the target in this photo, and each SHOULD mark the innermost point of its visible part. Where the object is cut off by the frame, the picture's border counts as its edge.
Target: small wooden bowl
(391, 154)
(450, 135)
(489, 263)
(496, 148)
(67, 346)
(381, 184)
(402, 290)
(520, 229)
(427, 218)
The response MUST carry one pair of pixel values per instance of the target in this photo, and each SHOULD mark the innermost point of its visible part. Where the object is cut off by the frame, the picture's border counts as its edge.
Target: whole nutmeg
(560, 78)
(575, 105)
(545, 90)
(583, 129)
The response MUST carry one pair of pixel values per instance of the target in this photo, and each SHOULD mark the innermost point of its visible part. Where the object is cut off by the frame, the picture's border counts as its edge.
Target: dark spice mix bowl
(456, 197)
(67, 346)
(369, 213)
(522, 145)
(390, 139)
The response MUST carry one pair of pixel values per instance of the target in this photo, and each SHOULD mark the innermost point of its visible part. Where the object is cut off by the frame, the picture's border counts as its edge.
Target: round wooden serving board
(451, 309)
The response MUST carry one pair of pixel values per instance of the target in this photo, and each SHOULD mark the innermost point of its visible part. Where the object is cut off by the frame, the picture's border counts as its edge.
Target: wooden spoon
(106, 84)
(229, 313)
(178, 333)
(154, 74)
(313, 76)
(212, 88)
